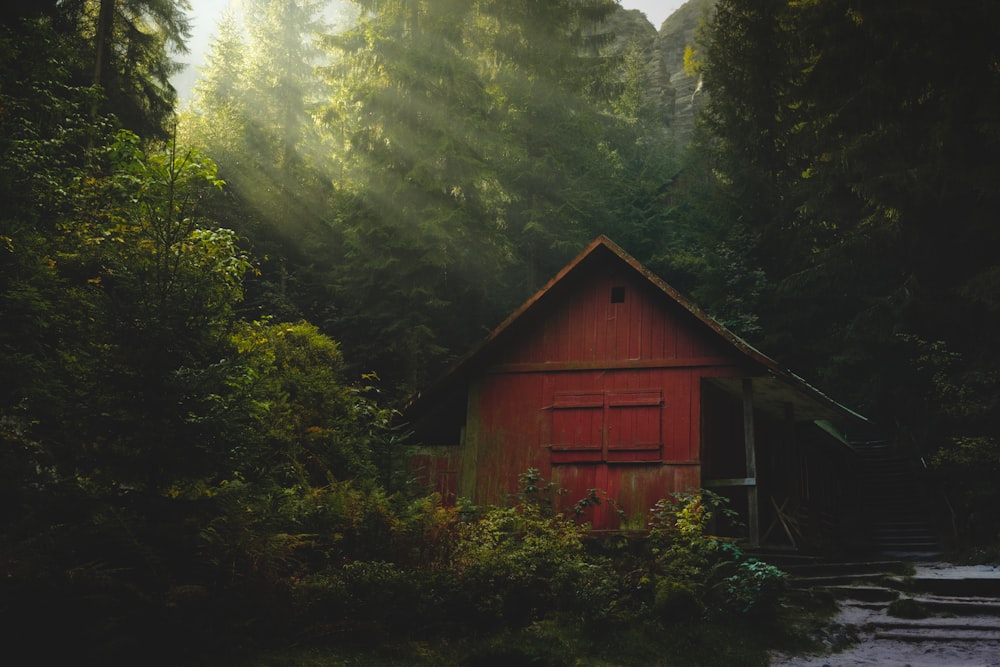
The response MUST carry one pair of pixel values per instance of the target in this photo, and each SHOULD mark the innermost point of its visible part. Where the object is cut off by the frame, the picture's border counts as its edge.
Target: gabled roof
(783, 386)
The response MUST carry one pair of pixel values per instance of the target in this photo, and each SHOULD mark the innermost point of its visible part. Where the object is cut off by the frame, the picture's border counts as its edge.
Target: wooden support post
(753, 509)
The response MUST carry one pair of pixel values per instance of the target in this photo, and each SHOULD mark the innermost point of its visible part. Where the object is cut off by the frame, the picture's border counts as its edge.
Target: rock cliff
(670, 92)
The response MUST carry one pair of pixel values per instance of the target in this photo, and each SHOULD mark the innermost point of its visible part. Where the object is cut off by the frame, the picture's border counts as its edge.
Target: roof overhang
(777, 397)
(775, 388)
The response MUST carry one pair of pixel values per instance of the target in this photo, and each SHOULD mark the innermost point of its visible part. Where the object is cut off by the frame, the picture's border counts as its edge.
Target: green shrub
(715, 571)
(675, 600)
(525, 562)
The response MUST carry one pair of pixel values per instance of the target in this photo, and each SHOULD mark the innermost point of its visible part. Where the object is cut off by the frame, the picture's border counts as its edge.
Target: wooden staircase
(899, 526)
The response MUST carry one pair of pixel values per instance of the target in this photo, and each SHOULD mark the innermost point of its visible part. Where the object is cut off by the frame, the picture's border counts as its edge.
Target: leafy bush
(689, 565)
(516, 562)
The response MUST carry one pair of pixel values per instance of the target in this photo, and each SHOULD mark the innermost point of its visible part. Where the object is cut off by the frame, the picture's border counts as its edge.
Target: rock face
(677, 33)
(670, 92)
(633, 31)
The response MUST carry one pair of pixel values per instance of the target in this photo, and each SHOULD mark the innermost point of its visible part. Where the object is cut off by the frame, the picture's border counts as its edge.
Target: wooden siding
(599, 395)
(436, 469)
(588, 327)
(609, 379)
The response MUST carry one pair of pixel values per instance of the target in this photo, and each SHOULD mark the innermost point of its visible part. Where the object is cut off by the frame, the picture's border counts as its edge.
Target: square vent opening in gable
(618, 294)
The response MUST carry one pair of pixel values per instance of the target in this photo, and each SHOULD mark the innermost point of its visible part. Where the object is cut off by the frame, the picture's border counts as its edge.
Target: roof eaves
(460, 370)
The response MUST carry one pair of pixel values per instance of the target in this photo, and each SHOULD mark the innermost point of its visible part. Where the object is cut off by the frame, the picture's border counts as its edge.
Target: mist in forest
(452, 154)
(213, 312)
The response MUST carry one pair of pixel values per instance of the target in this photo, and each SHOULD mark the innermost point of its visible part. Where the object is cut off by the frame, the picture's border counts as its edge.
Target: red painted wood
(590, 327)
(437, 471)
(632, 432)
(600, 393)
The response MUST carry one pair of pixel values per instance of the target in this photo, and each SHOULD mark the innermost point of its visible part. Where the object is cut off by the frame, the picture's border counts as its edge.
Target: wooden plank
(639, 317)
(578, 399)
(625, 397)
(613, 364)
(613, 312)
(625, 325)
(587, 330)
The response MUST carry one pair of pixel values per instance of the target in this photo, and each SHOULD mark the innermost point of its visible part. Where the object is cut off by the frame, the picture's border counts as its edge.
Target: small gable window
(618, 294)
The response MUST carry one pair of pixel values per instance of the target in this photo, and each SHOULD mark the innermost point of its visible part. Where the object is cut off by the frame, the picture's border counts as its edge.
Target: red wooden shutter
(577, 427)
(619, 426)
(633, 421)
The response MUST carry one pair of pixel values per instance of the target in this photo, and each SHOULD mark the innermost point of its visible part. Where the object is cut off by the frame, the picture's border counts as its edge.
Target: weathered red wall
(646, 356)
(587, 327)
(437, 469)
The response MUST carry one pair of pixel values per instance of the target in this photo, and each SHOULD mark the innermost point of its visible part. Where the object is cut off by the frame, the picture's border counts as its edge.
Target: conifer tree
(853, 141)
(131, 43)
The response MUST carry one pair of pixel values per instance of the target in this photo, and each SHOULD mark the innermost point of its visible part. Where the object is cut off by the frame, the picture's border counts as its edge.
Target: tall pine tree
(854, 142)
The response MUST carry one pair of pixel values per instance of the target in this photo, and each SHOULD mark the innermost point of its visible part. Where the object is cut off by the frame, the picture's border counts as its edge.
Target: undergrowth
(348, 575)
(523, 584)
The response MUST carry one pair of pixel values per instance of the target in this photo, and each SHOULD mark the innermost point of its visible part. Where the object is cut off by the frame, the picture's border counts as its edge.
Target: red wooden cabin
(609, 379)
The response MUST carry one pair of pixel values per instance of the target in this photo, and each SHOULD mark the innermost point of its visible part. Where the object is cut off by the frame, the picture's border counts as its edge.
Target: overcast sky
(655, 10)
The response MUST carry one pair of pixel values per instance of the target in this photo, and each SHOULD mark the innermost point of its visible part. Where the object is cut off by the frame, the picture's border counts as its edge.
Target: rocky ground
(961, 627)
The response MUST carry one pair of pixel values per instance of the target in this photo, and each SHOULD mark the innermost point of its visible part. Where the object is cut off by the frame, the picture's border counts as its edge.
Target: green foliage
(256, 111)
(694, 572)
(846, 171)
(839, 182)
(955, 401)
(175, 475)
(351, 565)
(441, 161)
(302, 423)
(124, 50)
(159, 287)
(522, 562)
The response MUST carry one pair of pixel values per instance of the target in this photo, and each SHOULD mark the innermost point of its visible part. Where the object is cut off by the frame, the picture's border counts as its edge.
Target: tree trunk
(102, 46)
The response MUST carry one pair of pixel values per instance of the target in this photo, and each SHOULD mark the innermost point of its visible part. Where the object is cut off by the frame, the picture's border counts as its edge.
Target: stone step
(863, 593)
(945, 637)
(899, 500)
(911, 539)
(885, 460)
(905, 538)
(885, 470)
(973, 587)
(901, 528)
(901, 531)
(938, 625)
(846, 568)
(946, 612)
(960, 606)
(911, 555)
(877, 583)
(842, 580)
(912, 550)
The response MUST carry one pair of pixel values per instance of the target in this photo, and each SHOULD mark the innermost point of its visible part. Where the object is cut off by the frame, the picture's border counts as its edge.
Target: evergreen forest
(213, 312)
